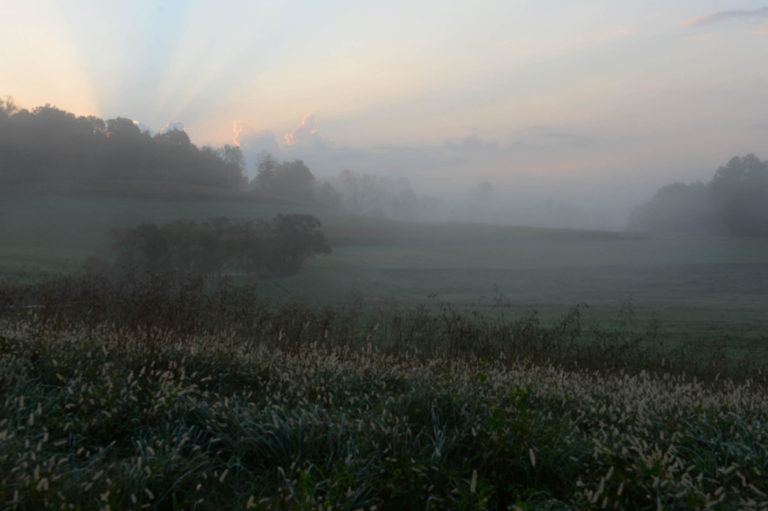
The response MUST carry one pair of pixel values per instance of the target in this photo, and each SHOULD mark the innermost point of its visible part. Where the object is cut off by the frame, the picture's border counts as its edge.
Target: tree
(144, 247)
(734, 202)
(266, 172)
(375, 195)
(185, 251)
(49, 144)
(678, 209)
(739, 191)
(287, 179)
(296, 238)
(234, 165)
(175, 138)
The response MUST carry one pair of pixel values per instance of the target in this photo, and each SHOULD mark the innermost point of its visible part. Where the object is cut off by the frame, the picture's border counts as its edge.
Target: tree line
(48, 144)
(351, 192)
(734, 202)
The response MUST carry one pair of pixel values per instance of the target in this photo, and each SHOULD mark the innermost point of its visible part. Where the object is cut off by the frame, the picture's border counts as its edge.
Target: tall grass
(157, 308)
(162, 398)
(102, 419)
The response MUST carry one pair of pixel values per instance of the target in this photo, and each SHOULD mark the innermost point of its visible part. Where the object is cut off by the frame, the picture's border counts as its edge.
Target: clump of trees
(293, 180)
(288, 179)
(734, 202)
(364, 194)
(48, 144)
(195, 253)
(352, 192)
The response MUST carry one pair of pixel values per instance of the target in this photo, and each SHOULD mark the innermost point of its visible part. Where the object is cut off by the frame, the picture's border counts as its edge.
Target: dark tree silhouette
(287, 179)
(739, 192)
(187, 251)
(734, 202)
(51, 145)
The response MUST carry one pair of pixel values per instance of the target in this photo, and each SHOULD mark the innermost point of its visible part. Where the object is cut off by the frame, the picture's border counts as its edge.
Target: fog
(398, 255)
(548, 178)
(574, 114)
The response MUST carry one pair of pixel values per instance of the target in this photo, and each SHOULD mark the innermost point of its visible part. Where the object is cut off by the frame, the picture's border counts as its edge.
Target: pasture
(707, 288)
(453, 366)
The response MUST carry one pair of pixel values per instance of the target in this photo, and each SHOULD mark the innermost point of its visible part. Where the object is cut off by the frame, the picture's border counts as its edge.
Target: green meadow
(705, 287)
(418, 366)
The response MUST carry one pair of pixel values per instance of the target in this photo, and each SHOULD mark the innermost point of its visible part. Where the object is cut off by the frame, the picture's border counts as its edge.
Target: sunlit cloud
(253, 141)
(306, 130)
(237, 128)
(722, 16)
(306, 135)
(143, 127)
(760, 31)
(173, 125)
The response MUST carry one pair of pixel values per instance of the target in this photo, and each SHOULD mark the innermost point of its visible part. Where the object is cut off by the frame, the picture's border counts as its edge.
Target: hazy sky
(539, 93)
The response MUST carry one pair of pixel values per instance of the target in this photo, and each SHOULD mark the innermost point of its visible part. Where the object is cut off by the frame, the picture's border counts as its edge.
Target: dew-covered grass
(130, 407)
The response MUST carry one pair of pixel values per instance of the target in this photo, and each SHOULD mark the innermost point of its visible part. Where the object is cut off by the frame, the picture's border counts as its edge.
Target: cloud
(760, 31)
(723, 16)
(173, 125)
(306, 136)
(252, 140)
(143, 127)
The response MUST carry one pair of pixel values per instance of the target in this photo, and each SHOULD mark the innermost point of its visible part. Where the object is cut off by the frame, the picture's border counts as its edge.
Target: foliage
(363, 194)
(740, 194)
(352, 192)
(49, 144)
(678, 208)
(159, 307)
(734, 202)
(198, 415)
(287, 179)
(186, 250)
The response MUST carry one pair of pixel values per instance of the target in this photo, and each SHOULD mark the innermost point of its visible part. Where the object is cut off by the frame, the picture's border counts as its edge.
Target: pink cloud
(306, 132)
(250, 139)
(306, 135)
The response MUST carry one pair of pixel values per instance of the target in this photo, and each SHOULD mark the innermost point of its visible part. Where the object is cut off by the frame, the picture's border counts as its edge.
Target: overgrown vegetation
(161, 308)
(165, 398)
(161, 393)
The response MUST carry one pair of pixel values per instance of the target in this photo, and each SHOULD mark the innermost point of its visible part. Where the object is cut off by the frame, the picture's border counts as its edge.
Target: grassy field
(416, 367)
(310, 410)
(700, 288)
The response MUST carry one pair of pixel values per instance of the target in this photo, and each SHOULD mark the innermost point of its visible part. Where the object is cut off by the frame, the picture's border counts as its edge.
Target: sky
(589, 99)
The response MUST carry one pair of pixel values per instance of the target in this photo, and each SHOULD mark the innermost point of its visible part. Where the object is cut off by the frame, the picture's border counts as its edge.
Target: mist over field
(49, 148)
(410, 255)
